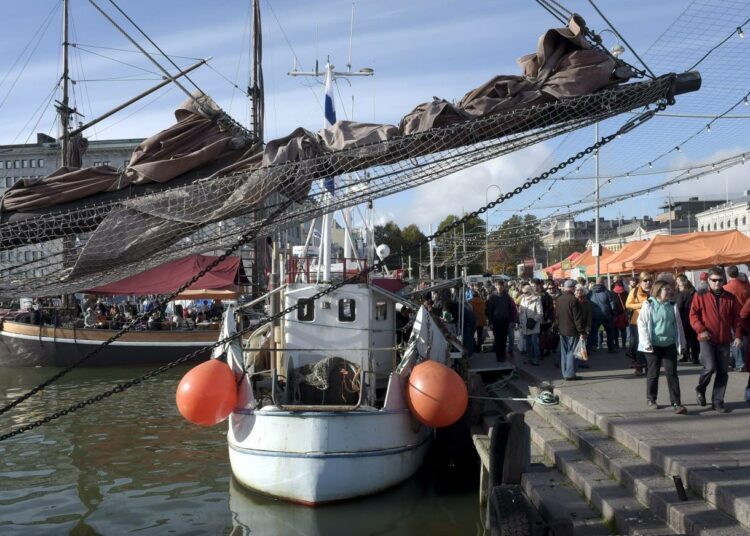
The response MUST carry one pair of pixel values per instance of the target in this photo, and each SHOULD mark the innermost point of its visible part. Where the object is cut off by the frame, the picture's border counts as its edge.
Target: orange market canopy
(614, 263)
(586, 261)
(691, 251)
(550, 270)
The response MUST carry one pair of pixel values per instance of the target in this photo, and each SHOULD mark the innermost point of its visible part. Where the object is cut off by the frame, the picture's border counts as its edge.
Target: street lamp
(487, 227)
(617, 50)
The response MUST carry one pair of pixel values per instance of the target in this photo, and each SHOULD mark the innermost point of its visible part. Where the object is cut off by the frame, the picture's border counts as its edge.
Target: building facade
(727, 216)
(36, 160)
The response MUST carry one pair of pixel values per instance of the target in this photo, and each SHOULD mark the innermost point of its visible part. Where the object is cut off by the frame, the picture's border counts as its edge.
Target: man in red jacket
(713, 316)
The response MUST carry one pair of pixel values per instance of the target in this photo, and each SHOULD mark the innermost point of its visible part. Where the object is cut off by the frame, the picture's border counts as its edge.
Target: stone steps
(718, 479)
(630, 491)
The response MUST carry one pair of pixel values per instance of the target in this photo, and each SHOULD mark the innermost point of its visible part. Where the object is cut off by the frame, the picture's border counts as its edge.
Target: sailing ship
(324, 403)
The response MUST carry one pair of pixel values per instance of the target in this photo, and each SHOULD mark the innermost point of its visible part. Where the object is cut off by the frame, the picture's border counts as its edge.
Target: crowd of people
(659, 320)
(102, 313)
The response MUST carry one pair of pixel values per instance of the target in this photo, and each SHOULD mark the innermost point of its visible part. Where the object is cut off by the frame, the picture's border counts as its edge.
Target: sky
(418, 49)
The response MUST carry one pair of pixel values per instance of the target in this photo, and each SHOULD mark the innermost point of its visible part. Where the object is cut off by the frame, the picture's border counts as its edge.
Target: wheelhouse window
(306, 310)
(381, 310)
(347, 310)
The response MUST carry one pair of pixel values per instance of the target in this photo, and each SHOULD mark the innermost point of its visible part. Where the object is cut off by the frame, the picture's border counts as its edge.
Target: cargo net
(77, 249)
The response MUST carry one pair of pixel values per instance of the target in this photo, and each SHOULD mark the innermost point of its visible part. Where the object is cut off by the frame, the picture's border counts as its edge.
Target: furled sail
(566, 85)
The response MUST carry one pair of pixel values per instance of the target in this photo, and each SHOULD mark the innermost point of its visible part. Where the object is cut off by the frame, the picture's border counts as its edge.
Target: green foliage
(517, 238)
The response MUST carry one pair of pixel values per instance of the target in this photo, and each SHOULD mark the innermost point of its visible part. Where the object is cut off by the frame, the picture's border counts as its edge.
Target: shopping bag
(580, 351)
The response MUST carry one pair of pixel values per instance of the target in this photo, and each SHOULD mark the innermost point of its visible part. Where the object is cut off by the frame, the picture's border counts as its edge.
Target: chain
(119, 388)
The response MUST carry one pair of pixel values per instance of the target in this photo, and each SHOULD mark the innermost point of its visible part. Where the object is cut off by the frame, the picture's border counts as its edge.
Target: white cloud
(467, 190)
(732, 182)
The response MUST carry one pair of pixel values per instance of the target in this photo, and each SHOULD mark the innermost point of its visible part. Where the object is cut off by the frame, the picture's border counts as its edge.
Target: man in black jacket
(499, 313)
(572, 328)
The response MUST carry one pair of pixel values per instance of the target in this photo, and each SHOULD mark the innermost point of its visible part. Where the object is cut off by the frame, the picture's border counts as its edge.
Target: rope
(250, 235)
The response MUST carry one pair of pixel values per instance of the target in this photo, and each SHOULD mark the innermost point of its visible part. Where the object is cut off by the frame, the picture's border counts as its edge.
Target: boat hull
(320, 457)
(23, 345)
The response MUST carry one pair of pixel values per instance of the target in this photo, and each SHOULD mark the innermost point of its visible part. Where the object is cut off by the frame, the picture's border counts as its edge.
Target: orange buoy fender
(436, 394)
(207, 394)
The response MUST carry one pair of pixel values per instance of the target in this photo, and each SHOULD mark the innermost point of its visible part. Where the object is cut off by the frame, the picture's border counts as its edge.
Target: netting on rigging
(559, 92)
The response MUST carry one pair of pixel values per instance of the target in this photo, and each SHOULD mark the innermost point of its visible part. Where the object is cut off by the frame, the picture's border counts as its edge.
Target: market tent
(614, 263)
(692, 251)
(550, 270)
(223, 281)
(584, 261)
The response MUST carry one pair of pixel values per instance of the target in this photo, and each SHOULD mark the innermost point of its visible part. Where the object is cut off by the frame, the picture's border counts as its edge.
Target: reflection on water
(131, 464)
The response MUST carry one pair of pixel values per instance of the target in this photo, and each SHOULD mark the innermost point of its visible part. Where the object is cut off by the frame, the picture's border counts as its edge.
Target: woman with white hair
(529, 320)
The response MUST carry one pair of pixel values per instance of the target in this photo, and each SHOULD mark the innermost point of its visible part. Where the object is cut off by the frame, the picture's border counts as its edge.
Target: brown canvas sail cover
(563, 66)
(224, 280)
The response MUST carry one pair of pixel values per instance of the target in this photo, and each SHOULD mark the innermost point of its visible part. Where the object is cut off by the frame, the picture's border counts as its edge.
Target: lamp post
(617, 50)
(487, 227)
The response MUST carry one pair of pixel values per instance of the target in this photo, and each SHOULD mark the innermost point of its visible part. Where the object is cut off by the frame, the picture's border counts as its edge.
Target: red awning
(228, 275)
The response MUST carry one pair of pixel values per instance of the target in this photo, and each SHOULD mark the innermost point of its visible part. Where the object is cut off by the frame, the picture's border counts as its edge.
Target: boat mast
(255, 90)
(63, 109)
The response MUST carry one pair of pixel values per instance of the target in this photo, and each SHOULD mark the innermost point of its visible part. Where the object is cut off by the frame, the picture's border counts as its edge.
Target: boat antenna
(351, 31)
(255, 90)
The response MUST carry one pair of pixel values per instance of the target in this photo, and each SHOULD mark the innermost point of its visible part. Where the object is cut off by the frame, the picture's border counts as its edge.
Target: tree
(516, 239)
(390, 235)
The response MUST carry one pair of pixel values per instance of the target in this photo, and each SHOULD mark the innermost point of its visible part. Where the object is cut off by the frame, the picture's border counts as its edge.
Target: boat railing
(308, 270)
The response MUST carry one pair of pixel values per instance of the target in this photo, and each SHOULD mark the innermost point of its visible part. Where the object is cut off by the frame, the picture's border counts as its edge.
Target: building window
(347, 312)
(744, 220)
(8, 182)
(381, 310)
(8, 164)
(97, 164)
(702, 228)
(306, 310)
(32, 162)
(2, 164)
(721, 226)
(16, 164)
(106, 163)
(714, 226)
(40, 162)
(736, 222)
(24, 163)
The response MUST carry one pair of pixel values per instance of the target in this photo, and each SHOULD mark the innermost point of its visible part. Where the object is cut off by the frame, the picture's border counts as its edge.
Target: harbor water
(131, 465)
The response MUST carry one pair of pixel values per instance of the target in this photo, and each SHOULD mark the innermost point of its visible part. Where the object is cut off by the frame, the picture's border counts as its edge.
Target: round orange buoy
(436, 394)
(207, 394)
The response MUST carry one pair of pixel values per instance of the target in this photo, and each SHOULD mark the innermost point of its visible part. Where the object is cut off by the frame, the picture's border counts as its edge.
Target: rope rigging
(627, 127)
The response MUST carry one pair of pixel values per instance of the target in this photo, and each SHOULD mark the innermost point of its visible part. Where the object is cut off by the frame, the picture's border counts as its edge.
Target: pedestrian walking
(603, 309)
(621, 320)
(740, 290)
(499, 312)
(572, 329)
(586, 311)
(660, 338)
(479, 306)
(683, 300)
(530, 315)
(713, 315)
(636, 298)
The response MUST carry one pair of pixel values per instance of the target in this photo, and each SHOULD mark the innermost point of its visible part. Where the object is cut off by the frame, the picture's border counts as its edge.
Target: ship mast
(63, 108)
(255, 90)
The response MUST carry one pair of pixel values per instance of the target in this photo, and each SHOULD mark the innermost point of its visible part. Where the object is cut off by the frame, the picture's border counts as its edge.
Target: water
(131, 464)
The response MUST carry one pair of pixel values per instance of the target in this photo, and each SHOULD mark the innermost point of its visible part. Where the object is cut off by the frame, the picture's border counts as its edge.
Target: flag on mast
(329, 118)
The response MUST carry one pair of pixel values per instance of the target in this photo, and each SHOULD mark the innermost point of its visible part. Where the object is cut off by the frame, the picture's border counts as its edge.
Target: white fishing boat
(329, 420)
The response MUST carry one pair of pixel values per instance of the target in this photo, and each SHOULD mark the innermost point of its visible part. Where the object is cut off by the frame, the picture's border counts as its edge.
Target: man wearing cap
(570, 323)
(712, 314)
